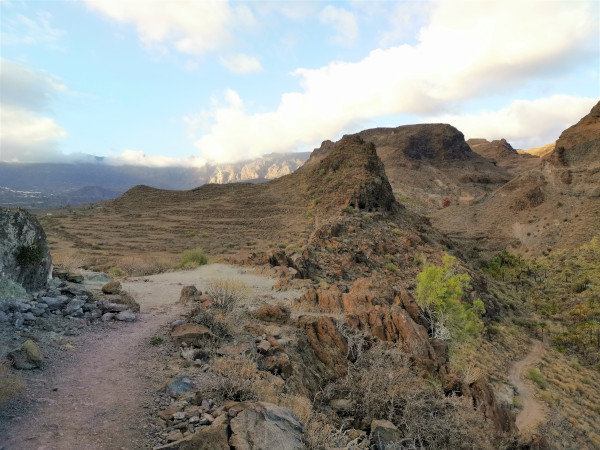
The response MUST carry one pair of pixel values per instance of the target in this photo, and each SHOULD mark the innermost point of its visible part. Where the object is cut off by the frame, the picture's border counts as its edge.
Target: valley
(404, 288)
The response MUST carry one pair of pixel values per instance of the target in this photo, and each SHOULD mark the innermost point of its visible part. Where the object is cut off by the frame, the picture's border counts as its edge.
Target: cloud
(191, 27)
(26, 135)
(23, 30)
(463, 53)
(138, 158)
(240, 63)
(524, 123)
(343, 22)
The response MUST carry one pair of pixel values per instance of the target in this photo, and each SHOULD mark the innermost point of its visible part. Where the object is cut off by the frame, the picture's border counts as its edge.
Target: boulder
(28, 357)
(263, 425)
(272, 313)
(328, 344)
(112, 287)
(189, 294)
(24, 255)
(192, 334)
(179, 386)
(384, 435)
(126, 316)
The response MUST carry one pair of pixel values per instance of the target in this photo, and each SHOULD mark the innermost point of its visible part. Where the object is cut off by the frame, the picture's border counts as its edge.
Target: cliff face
(24, 255)
(266, 168)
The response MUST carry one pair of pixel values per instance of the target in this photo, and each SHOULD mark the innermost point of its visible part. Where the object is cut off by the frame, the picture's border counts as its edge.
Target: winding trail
(99, 394)
(533, 411)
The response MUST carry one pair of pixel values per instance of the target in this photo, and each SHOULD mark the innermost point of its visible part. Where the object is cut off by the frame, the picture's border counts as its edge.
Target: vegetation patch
(192, 258)
(29, 255)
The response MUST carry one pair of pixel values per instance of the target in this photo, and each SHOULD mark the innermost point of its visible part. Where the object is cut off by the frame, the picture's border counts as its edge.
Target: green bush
(348, 210)
(439, 293)
(115, 272)
(536, 376)
(190, 234)
(156, 340)
(192, 258)
(391, 267)
(397, 232)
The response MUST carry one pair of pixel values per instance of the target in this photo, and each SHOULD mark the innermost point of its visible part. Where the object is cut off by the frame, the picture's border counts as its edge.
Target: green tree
(439, 293)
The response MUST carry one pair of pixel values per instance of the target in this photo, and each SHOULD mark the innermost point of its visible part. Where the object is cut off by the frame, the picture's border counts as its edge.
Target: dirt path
(98, 395)
(533, 411)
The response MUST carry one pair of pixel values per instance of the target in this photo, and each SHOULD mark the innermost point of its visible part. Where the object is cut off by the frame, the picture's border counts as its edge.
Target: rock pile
(63, 300)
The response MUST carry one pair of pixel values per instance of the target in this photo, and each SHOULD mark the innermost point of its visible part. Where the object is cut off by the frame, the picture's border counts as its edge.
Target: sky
(185, 82)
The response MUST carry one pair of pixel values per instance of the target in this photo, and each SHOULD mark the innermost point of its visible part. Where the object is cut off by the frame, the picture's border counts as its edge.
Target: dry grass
(573, 391)
(10, 384)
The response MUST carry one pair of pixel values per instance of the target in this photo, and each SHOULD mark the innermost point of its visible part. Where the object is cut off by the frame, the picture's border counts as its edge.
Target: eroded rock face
(24, 254)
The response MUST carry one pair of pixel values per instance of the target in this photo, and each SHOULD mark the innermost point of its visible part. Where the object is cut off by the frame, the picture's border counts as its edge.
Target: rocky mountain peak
(579, 143)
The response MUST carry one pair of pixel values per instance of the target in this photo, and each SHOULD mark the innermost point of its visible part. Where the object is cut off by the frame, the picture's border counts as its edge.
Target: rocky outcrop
(24, 255)
(328, 344)
(431, 141)
(580, 143)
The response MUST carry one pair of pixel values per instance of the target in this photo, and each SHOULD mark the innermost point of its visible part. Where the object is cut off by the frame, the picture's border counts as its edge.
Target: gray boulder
(263, 425)
(27, 357)
(384, 435)
(73, 306)
(126, 316)
(24, 255)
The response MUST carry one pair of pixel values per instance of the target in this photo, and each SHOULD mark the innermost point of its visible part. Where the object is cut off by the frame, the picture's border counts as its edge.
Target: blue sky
(185, 82)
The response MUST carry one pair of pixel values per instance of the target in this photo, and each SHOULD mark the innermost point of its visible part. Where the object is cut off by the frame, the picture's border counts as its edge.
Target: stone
(29, 317)
(272, 313)
(108, 306)
(212, 437)
(384, 435)
(192, 334)
(176, 323)
(263, 347)
(107, 317)
(174, 435)
(169, 412)
(73, 306)
(55, 302)
(189, 294)
(341, 404)
(264, 425)
(28, 357)
(179, 385)
(24, 255)
(112, 287)
(126, 316)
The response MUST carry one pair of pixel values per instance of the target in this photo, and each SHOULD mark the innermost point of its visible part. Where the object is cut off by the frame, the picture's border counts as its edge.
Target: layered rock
(24, 255)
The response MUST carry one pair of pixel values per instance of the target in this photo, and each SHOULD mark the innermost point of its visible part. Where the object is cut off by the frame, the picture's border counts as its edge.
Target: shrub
(396, 232)
(227, 293)
(536, 376)
(439, 293)
(348, 210)
(309, 213)
(156, 340)
(218, 324)
(391, 267)
(190, 234)
(29, 255)
(115, 272)
(192, 258)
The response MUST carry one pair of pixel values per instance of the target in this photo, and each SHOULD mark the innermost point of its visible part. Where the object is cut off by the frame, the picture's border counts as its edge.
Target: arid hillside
(554, 206)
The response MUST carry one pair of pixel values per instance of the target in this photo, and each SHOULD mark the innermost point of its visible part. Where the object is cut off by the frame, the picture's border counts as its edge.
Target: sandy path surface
(97, 395)
(533, 411)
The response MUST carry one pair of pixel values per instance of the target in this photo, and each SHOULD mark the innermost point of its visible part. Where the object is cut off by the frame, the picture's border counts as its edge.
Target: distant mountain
(504, 155)
(48, 185)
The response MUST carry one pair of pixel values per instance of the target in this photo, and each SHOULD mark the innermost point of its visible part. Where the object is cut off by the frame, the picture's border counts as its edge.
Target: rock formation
(24, 255)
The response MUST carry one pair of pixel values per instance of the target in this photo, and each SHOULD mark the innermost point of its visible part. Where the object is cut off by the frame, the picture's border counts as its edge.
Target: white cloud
(524, 123)
(21, 29)
(343, 22)
(240, 63)
(192, 27)
(467, 50)
(25, 133)
(138, 158)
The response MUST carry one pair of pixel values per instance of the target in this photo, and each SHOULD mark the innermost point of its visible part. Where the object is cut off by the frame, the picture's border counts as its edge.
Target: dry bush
(382, 385)
(227, 293)
(235, 382)
(139, 266)
(10, 384)
(219, 324)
